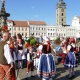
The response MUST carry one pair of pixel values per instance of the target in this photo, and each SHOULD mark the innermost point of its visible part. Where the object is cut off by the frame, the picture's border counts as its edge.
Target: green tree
(32, 41)
(57, 41)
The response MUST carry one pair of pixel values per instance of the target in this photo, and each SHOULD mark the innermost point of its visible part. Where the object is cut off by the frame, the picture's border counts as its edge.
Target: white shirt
(28, 57)
(68, 47)
(7, 54)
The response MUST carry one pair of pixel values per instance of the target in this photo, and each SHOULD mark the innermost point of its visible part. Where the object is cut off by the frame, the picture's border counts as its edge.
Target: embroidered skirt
(70, 60)
(46, 67)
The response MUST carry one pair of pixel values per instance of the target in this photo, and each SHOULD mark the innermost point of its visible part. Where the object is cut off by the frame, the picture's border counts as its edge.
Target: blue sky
(40, 10)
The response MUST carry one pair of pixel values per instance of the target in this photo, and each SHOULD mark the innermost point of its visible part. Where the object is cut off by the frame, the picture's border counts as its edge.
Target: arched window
(62, 19)
(62, 14)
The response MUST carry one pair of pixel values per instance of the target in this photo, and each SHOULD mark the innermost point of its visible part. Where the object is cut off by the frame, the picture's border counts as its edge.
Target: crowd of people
(14, 54)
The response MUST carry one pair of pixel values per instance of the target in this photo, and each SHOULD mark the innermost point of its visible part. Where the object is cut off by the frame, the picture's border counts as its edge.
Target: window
(9, 28)
(62, 14)
(48, 33)
(36, 28)
(25, 28)
(22, 29)
(64, 34)
(51, 29)
(25, 34)
(42, 28)
(14, 33)
(53, 33)
(33, 28)
(62, 19)
(36, 33)
(14, 28)
(22, 34)
(19, 29)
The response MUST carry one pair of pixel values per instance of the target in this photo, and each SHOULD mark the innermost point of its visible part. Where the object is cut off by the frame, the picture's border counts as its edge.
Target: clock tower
(61, 13)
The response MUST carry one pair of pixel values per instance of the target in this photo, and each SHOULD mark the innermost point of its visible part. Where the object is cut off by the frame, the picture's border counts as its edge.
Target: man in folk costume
(6, 60)
(11, 45)
(46, 67)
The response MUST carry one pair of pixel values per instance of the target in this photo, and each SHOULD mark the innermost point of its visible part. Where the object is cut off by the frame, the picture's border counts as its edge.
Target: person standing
(30, 63)
(46, 67)
(0, 37)
(6, 60)
(70, 61)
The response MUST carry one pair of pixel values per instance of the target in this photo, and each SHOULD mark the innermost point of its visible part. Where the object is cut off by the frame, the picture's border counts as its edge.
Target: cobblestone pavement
(61, 74)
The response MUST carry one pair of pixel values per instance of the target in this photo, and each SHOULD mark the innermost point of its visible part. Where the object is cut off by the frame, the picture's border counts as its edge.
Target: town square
(39, 40)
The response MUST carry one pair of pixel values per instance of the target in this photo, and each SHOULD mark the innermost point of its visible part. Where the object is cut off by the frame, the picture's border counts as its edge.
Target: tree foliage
(57, 41)
(32, 41)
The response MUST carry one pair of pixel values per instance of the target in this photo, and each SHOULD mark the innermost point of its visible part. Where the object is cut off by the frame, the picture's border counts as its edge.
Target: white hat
(45, 38)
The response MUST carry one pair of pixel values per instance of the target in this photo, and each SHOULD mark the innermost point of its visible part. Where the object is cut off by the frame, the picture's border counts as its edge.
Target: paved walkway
(60, 75)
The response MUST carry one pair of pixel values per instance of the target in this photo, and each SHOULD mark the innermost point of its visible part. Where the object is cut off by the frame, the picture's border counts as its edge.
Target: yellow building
(16, 27)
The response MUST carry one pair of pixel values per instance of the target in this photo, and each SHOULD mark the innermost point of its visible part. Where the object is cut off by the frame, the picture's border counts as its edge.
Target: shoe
(69, 77)
(32, 76)
(26, 79)
(73, 76)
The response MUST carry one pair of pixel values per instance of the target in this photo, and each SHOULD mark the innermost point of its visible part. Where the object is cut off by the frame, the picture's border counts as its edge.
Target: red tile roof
(9, 20)
(20, 24)
(17, 23)
(37, 23)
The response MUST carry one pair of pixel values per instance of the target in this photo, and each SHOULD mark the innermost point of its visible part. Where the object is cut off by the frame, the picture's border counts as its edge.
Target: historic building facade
(16, 27)
(61, 13)
(76, 22)
(40, 28)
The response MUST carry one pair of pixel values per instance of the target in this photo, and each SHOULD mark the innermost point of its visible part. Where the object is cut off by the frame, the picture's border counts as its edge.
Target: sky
(40, 10)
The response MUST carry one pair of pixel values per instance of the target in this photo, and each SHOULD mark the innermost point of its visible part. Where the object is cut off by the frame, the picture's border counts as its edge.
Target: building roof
(9, 20)
(78, 16)
(17, 23)
(37, 22)
(20, 24)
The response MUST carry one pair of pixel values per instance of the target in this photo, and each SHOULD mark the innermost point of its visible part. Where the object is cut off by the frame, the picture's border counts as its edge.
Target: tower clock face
(62, 10)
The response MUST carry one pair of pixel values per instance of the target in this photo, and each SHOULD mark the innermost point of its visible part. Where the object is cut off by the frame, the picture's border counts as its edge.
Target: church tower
(61, 13)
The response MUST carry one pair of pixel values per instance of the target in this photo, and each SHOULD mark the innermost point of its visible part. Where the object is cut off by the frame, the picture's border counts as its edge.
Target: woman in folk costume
(70, 61)
(64, 45)
(46, 67)
(30, 63)
(20, 56)
(39, 52)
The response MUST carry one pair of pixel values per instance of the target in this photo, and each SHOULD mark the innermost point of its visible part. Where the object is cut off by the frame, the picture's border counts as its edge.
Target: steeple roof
(61, 3)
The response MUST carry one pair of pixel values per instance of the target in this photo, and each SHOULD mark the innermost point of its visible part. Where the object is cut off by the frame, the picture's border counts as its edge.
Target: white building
(76, 23)
(51, 32)
(71, 31)
(37, 28)
(40, 28)
(10, 26)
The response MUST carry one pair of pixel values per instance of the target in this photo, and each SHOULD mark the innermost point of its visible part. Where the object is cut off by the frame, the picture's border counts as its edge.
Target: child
(30, 63)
